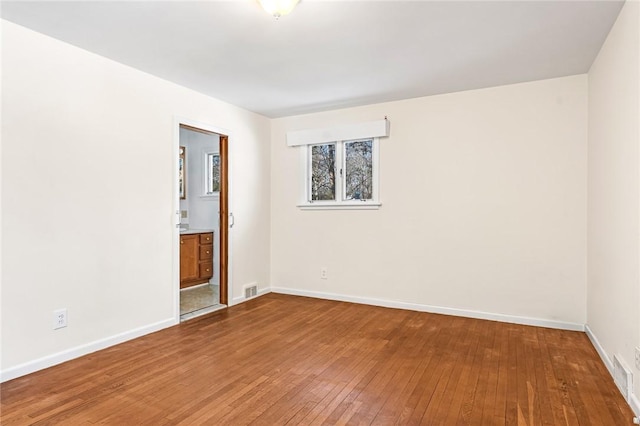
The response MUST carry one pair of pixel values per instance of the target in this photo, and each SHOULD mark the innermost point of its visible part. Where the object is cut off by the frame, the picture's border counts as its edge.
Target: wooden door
(189, 257)
(224, 218)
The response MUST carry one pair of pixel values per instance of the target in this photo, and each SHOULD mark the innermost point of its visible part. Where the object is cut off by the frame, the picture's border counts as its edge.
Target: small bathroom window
(212, 177)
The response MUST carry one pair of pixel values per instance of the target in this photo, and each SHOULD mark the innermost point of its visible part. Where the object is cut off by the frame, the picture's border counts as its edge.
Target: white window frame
(206, 173)
(340, 203)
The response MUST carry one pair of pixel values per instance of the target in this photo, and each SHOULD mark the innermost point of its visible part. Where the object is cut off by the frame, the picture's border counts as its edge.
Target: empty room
(305, 212)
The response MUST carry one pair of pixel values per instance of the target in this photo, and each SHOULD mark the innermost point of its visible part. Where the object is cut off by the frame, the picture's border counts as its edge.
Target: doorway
(203, 225)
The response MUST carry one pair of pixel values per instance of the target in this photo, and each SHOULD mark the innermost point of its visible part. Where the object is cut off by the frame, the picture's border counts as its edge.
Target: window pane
(323, 172)
(359, 170)
(213, 173)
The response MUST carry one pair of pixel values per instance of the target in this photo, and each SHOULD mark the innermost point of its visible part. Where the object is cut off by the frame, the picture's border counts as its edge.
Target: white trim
(175, 243)
(177, 120)
(376, 169)
(366, 130)
(205, 177)
(539, 322)
(78, 351)
(596, 344)
(261, 292)
(361, 205)
(633, 400)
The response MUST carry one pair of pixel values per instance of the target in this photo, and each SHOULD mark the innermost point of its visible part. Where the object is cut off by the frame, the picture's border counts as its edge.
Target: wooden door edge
(224, 219)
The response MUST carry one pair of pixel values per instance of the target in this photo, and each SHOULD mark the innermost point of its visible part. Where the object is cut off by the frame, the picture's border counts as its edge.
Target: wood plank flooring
(280, 360)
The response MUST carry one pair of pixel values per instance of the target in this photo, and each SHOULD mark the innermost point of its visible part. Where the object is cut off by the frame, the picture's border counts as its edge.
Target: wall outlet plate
(59, 318)
(323, 273)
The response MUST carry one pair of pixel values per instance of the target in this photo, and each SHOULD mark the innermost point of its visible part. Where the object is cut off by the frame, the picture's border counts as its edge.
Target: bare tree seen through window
(323, 172)
(359, 170)
(213, 181)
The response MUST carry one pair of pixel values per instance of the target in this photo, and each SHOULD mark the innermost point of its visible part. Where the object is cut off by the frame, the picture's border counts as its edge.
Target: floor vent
(250, 291)
(623, 377)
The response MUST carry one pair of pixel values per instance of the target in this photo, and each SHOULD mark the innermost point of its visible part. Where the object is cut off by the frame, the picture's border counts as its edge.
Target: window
(342, 174)
(212, 176)
(358, 170)
(323, 172)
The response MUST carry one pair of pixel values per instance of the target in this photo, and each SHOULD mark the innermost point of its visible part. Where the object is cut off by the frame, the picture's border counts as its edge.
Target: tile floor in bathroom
(195, 299)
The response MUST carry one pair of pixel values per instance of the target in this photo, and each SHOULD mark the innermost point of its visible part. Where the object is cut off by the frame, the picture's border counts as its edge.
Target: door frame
(226, 189)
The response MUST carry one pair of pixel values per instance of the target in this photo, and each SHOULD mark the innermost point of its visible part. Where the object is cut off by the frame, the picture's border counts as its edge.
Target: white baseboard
(78, 351)
(434, 309)
(596, 344)
(241, 299)
(633, 401)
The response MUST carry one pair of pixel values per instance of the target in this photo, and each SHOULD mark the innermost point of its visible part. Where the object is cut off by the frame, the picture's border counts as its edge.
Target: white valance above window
(369, 129)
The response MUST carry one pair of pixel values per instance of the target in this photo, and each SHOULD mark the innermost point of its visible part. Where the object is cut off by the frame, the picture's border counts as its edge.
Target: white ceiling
(332, 54)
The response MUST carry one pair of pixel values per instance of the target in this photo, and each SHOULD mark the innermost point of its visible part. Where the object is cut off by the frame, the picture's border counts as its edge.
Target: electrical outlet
(59, 318)
(323, 273)
(638, 357)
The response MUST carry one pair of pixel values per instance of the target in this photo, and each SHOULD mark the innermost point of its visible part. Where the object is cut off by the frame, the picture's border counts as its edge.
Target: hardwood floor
(291, 360)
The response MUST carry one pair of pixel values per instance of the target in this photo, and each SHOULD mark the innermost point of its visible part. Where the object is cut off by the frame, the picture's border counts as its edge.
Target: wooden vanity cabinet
(189, 258)
(196, 259)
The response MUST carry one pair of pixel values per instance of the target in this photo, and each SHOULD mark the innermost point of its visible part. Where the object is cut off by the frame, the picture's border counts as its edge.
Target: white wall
(484, 199)
(484, 206)
(203, 211)
(614, 191)
(87, 195)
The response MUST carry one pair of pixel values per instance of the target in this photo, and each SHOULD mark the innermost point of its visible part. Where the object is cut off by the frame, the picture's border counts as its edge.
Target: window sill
(340, 206)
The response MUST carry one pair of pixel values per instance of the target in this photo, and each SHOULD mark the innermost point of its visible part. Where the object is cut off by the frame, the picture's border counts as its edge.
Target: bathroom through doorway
(203, 201)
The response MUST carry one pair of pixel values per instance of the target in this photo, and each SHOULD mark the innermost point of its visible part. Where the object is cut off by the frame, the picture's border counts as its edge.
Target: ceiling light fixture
(278, 8)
